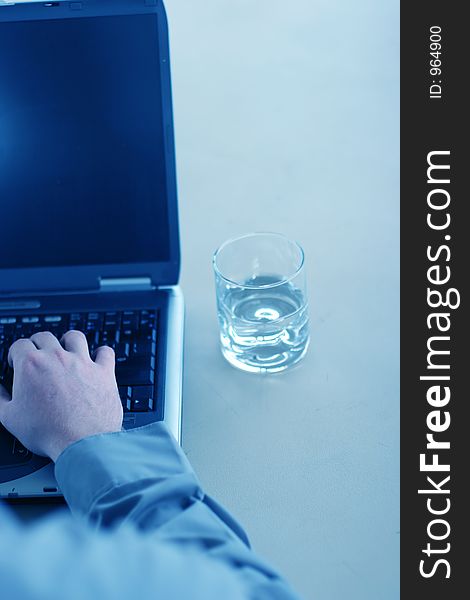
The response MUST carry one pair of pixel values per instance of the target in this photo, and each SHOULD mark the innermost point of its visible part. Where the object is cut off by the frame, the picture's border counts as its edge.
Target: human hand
(60, 395)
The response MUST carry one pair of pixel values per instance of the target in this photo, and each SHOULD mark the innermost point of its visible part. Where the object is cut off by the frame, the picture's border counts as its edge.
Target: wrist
(59, 446)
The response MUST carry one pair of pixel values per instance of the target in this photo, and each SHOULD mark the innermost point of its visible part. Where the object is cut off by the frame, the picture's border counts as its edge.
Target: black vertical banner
(435, 258)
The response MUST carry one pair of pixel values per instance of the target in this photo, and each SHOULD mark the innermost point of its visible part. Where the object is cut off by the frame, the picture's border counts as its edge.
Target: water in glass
(263, 325)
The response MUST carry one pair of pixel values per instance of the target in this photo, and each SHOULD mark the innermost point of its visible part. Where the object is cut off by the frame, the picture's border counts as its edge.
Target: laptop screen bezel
(20, 281)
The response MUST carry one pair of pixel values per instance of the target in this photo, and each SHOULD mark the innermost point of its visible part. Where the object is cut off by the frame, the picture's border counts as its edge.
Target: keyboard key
(146, 314)
(134, 374)
(146, 324)
(22, 330)
(129, 322)
(122, 350)
(6, 379)
(144, 334)
(107, 338)
(144, 347)
(92, 337)
(111, 323)
(112, 320)
(125, 395)
(142, 398)
(7, 320)
(76, 326)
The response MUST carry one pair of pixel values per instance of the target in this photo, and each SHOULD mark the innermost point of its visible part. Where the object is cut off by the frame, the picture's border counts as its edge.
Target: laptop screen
(82, 162)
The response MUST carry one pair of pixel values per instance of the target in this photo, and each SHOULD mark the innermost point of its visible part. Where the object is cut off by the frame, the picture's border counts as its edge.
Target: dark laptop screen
(82, 165)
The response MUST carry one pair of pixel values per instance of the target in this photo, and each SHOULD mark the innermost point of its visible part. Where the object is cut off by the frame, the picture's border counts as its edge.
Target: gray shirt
(143, 528)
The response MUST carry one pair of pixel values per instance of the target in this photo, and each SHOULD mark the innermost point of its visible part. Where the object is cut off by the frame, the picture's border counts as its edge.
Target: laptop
(88, 210)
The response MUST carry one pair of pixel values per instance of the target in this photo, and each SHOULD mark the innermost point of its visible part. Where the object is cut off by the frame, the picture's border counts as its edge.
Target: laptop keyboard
(131, 333)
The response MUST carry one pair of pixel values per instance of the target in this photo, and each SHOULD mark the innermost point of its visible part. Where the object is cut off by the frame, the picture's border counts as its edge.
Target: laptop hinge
(125, 284)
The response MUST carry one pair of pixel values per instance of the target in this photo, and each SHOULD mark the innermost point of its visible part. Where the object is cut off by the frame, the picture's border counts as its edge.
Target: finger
(45, 340)
(75, 341)
(19, 350)
(105, 357)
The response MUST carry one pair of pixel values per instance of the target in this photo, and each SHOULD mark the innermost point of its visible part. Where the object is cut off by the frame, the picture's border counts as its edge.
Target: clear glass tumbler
(262, 302)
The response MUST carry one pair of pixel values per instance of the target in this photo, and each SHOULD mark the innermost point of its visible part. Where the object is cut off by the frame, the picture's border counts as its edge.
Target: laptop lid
(87, 162)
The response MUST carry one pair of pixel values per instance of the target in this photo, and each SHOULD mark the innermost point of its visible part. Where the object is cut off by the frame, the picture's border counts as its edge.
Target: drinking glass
(261, 302)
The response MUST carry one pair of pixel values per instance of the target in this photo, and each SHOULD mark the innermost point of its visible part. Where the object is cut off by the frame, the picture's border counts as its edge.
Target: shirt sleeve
(140, 481)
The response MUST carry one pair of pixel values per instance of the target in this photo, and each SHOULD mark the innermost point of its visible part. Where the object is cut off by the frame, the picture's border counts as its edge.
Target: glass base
(255, 362)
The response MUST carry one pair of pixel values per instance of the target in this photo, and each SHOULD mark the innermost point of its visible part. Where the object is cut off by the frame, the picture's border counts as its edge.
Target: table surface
(287, 119)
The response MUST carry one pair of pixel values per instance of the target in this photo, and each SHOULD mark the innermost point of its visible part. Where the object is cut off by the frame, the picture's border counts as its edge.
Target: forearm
(142, 477)
(139, 476)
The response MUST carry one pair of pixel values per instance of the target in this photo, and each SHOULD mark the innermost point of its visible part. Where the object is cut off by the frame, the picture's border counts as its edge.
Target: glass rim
(238, 238)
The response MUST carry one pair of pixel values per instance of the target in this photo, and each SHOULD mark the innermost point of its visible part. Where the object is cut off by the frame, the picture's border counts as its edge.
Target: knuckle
(33, 359)
(59, 354)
